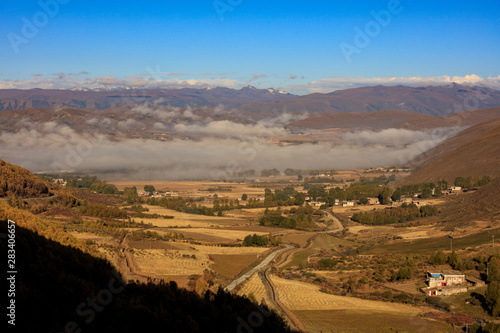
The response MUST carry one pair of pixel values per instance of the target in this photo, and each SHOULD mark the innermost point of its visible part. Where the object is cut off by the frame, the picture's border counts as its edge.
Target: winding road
(257, 268)
(336, 223)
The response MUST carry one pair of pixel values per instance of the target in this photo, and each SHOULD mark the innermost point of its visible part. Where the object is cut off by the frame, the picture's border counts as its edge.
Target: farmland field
(353, 320)
(210, 247)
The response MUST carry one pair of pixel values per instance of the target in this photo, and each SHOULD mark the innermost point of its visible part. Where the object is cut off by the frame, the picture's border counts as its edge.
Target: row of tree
(102, 210)
(295, 218)
(404, 213)
(256, 240)
(470, 182)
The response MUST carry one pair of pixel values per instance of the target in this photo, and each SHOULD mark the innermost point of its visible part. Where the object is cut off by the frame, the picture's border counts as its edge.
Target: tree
(299, 178)
(299, 198)
(363, 200)
(454, 260)
(426, 193)
(396, 196)
(244, 197)
(492, 296)
(443, 184)
(384, 196)
(494, 270)
(437, 258)
(149, 188)
(130, 194)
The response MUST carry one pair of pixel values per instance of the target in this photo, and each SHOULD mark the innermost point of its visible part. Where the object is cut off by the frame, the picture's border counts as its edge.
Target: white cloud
(51, 147)
(229, 129)
(129, 124)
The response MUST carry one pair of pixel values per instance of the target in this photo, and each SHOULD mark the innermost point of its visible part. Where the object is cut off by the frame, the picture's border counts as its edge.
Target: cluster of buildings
(60, 181)
(145, 194)
(345, 203)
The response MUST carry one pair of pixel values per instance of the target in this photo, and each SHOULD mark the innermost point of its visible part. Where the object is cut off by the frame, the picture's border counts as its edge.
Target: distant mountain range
(99, 98)
(432, 100)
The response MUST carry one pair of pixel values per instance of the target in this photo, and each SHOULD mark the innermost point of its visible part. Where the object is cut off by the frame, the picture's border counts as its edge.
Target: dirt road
(336, 227)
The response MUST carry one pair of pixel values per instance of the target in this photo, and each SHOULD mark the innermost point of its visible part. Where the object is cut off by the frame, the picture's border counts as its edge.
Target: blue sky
(291, 45)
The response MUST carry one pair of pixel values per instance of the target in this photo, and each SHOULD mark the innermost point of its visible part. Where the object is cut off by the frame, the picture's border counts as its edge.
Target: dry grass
(255, 286)
(300, 239)
(226, 234)
(171, 262)
(229, 250)
(298, 295)
(229, 265)
(367, 321)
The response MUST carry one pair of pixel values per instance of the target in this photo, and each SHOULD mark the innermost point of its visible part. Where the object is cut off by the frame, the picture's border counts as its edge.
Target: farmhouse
(373, 201)
(317, 203)
(337, 202)
(446, 282)
(455, 188)
(347, 203)
(60, 181)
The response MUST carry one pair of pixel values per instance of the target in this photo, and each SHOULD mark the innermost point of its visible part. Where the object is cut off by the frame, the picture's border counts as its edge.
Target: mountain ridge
(430, 100)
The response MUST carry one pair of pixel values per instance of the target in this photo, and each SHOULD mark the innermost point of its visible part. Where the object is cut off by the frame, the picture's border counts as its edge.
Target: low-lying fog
(227, 147)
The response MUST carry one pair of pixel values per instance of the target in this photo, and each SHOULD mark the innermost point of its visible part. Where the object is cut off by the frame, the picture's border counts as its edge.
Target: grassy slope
(472, 152)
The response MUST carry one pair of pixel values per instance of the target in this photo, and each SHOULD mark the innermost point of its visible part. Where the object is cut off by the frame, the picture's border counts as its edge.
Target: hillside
(480, 205)
(19, 182)
(473, 152)
(61, 281)
(432, 101)
(86, 293)
(481, 121)
(384, 119)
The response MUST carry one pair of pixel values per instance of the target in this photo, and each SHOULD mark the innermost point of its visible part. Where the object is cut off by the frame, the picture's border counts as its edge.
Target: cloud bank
(48, 146)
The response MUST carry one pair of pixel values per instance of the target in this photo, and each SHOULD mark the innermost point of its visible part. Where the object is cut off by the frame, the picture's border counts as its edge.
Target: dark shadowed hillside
(59, 287)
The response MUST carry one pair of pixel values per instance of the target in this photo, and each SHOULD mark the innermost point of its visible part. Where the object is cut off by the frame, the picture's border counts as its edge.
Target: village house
(337, 202)
(317, 203)
(347, 203)
(455, 188)
(373, 201)
(60, 181)
(449, 282)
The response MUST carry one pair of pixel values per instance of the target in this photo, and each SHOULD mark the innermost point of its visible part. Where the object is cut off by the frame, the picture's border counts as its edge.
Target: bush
(437, 303)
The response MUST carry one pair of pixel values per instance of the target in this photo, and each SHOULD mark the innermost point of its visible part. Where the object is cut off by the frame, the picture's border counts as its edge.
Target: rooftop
(446, 272)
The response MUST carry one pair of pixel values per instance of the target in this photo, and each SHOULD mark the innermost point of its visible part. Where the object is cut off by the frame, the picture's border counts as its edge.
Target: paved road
(259, 267)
